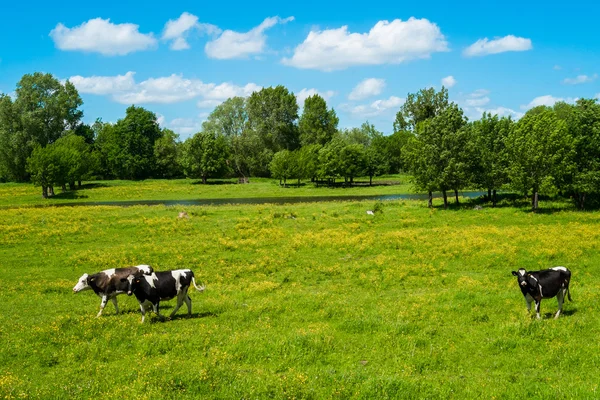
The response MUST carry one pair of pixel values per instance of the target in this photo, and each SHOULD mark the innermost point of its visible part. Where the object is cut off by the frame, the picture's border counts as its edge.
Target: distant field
(180, 189)
(307, 301)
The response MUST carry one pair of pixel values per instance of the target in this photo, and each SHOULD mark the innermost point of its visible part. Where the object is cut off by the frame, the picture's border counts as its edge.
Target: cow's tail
(200, 288)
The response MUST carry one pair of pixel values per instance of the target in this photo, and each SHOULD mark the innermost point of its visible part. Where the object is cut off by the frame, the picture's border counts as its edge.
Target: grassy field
(304, 301)
(183, 189)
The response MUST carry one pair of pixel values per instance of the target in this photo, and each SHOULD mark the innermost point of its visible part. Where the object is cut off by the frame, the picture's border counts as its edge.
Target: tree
(284, 165)
(44, 110)
(308, 162)
(438, 154)
(583, 124)
(205, 156)
(75, 157)
(166, 154)
(317, 125)
(351, 161)
(230, 119)
(272, 115)
(129, 144)
(394, 148)
(541, 151)
(329, 159)
(489, 136)
(419, 107)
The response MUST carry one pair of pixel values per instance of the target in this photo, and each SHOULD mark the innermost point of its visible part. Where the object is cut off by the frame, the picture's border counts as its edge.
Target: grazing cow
(108, 283)
(538, 285)
(163, 285)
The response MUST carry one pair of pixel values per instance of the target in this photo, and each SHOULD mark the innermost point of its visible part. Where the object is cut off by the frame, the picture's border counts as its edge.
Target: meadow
(185, 189)
(309, 301)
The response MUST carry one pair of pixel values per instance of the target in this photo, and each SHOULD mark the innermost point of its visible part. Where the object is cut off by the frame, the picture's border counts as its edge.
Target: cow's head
(82, 284)
(525, 280)
(133, 280)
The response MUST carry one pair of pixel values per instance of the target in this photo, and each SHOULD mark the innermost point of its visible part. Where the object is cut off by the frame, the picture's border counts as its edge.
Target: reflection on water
(258, 200)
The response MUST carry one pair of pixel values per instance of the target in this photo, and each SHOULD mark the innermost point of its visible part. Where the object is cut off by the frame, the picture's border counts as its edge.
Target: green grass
(182, 189)
(304, 301)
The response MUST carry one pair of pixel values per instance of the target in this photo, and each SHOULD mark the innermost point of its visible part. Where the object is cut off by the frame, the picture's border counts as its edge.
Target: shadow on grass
(509, 200)
(215, 182)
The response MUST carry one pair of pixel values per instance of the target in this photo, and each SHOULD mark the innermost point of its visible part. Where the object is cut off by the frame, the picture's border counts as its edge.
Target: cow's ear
(123, 279)
(515, 273)
(92, 279)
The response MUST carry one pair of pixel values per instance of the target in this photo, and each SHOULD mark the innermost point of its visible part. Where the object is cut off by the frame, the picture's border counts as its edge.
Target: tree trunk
(204, 179)
(63, 187)
(430, 200)
(370, 180)
(44, 192)
(535, 200)
(582, 201)
(456, 195)
(351, 180)
(71, 185)
(445, 199)
(284, 181)
(279, 181)
(494, 199)
(51, 191)
(489, 194)
(79, 184)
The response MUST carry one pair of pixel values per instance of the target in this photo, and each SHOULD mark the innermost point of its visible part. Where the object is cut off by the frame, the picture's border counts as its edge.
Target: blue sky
(180, 60)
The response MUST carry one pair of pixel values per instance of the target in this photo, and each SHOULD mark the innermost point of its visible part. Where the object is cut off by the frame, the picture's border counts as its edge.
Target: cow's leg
(143, 310)
(528, 300)
(560, 296)
(157, 310)
(102, 305)
(114, 301)
(188, 303)
(538, 303)
(179, 303)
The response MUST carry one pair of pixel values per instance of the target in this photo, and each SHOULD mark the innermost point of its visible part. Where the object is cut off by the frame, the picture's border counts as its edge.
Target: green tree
(230, 120)
(419, 107)
(205, 156)
(583, 124)
(44, 110)
(76, 160)
(166, 154)
(130, 142)
(438, 154)
(308, 162)
(351, 161)
(272, 117)
(491, 160)
(317, 125)
(284, 165)
(393, 149)
(540, 151)
(329, 159)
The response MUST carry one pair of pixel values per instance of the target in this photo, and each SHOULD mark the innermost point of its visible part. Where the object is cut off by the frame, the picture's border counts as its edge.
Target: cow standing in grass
(165, 285)
(538, 285)
(108, 284)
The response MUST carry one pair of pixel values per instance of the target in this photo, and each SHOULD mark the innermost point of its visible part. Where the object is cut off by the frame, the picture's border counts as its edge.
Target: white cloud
(178, 29)
(485, 46)
(580, 79)
(186, 127)
(547, 100)
(376, 108)
(164, 90)
(386, 43)
(306, 93)
(501, 112)
(557, 67)
(367, 88)
(478, 98)
(102, 36)
(233, 44)
(448, 81)
(477, 101)
(104, 84)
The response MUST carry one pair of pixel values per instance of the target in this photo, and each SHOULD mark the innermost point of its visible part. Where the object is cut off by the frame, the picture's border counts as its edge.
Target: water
(259, 200)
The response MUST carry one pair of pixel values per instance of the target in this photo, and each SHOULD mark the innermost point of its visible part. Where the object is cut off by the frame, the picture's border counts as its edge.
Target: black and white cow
(164, 285)
(538, 285)
(108, 283)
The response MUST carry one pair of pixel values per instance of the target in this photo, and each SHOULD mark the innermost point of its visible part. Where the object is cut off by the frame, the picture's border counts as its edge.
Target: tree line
(551, 150)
